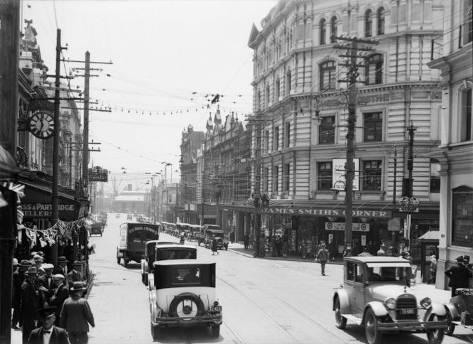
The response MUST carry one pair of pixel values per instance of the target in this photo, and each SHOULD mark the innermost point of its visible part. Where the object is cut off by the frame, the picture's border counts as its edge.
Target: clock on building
(41, 124)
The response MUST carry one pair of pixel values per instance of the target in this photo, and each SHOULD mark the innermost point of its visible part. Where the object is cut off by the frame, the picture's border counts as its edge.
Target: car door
(355, 287)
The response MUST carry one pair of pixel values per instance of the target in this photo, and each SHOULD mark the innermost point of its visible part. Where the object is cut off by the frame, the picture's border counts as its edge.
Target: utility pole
(9, 57)
(85, 148)
(352, 55)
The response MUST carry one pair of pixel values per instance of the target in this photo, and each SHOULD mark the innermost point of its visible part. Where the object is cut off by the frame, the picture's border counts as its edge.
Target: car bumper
(412, 325)
(178, 322)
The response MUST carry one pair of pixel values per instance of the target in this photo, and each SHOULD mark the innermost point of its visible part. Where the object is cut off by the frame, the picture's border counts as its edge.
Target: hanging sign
(340, 226)
(98, 174)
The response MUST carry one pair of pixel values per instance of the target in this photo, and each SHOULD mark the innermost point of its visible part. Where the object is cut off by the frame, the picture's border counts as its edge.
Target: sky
(169, 57)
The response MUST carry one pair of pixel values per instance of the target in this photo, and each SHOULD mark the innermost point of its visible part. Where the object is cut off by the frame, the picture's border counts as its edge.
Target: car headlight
(390, 303)
(426, 302)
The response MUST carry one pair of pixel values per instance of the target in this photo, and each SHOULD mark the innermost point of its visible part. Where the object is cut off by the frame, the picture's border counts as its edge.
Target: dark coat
(30, 301)
(61, 293)
(16, 289)
(214, 245)
(76, 316)
(58, 336)
(48, 283)
(459, 276)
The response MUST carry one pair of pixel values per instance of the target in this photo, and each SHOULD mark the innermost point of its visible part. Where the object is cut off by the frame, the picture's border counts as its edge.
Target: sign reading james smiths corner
(327, 212)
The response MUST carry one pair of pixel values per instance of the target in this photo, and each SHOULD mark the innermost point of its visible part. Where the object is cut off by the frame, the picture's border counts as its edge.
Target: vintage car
(183, 294)
(162, 250)
(96, 228)
(214, 231)
(375, 294)
(133, 237)
(460, 310)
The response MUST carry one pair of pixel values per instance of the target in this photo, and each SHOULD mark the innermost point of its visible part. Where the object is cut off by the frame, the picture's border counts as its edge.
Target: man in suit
(48, 333)
(459, 275)
(16, 294)
(61, 293)
(30, 302)
(46, 282)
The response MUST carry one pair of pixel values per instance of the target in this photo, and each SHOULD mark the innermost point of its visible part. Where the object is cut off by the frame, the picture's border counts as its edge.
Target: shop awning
(7, 164)
(430, 235)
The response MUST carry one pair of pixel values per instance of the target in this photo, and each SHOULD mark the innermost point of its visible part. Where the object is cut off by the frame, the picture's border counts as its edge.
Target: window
(258, 100)
(372, 175)
(374, 70)
(466, 123)
(266, 141)
(434, 176)
(380, 15)
(288, 134)
(324, 175)
(327, 130)
(354, 272)
(327, 75)
(333, 30)
(462, 216)
(276, 179)
(276, 138)
(468, 23)
(323, 30)
(373, 127)
(266, 179)
(277, 88)
(288, 82)
(368, 24)
(287, 170)
(268, 95)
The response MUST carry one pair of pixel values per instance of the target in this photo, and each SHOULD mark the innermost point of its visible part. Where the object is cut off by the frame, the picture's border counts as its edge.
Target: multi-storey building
(225, 178)
(455, 152)
(300, 118)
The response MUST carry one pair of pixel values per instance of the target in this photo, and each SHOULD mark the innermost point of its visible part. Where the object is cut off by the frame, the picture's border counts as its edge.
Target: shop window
(327, 130)
(466, 123)
(288, 134)
(374, 70)
(276, 179)
(368, 23)
(372, 175)
(333, 30)
(288, 82)
(462, 216)
(327, 75)
(324, 175)
(381, 20)
(373, 127)
(287, 170)
(434, 176)
(323, 31)
(276, 138)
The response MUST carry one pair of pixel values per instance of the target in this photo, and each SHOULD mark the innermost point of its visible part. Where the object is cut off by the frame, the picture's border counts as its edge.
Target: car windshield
(389, 274)
(173, 276)
(165, 254)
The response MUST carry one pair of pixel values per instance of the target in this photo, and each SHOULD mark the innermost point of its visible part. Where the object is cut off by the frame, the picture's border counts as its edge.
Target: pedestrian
(214, 246)
(381, 251)
(322, 257)
(74, 275)
(61, 293)
(433, 268)
(30, 302)
(61, 267)
(16, 294)
(46, 281)
(459, 275)
(246, 241)
(48, 333)
(76, 315)
(38, 261)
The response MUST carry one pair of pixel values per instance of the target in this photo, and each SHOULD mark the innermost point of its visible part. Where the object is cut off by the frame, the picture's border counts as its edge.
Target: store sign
(98, 174)
(340, 226)
(339, 171)
(327, 212)
(46, 210)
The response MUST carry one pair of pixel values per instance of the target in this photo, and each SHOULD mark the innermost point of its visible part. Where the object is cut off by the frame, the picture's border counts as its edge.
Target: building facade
(455, 152)
(300, 119)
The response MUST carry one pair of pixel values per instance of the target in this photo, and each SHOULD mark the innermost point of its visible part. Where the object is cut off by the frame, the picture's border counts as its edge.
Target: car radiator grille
(406, 307)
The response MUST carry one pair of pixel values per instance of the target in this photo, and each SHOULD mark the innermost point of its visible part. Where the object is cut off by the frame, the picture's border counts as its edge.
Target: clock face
(42, 125)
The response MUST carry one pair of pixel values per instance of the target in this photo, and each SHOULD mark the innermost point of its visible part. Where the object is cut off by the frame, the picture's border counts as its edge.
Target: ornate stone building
(300, 118)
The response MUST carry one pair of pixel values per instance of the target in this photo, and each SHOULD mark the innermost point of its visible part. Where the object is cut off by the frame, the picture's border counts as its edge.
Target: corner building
(300, 120)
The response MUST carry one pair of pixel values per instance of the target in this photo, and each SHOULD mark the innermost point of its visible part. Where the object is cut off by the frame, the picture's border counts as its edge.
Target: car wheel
(126, 261)
(155, 332)
(340, 321)
(215, 331)
(451, 326)
(435, 336)
(118, 260)
(372, 333)
(145, 279)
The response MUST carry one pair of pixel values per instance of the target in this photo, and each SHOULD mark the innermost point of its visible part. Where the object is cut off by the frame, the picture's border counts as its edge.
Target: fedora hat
(25, 263)
(47, 311)
(460, 259)
(31, 271)
(77, 286)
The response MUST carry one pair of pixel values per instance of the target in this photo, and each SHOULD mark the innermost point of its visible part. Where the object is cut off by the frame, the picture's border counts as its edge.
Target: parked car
(460, 310)
(156, 250)
(214, 231)
(376, 294)
(183, 294)
(96, 228)
(133, 237)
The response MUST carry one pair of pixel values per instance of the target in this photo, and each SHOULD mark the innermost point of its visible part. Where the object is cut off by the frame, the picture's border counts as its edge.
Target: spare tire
(186, 305)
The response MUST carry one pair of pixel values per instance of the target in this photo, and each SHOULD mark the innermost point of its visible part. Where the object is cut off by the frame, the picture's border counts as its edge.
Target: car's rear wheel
(340, 320)
(215, 331)
(155, 332)
(435, 336)
(372, 333)
(126, 261)
(118, 260)
(451, 326)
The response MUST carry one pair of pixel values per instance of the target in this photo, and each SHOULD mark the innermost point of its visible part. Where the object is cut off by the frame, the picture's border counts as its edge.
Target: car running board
(352, 318)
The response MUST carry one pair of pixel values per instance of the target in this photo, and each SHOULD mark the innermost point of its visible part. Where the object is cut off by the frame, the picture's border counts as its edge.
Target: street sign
(98, 174)
(340, 226)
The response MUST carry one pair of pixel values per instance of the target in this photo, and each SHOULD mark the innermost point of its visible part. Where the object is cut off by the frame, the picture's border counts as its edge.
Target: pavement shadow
(358, 333)
(187, 335)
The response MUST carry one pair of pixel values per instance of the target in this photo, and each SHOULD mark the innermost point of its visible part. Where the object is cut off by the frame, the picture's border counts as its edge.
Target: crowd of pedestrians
(48, 301)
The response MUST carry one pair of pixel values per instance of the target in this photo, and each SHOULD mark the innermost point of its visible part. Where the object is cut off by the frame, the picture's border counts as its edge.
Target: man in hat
(30, 302)
(74, 275)
(61, 267)
(61, 293)
(76, 315)
(48, 333)
(16, 294)
(46, 281)
(459, 275)
(322, 257)
(38, 261)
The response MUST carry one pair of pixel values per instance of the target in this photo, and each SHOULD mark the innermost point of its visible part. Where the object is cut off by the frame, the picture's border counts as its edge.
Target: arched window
(380, 17)
(333, 29)
(288, 82)
(327, 75)
(374, 70)
(323, 30)
(368, 24)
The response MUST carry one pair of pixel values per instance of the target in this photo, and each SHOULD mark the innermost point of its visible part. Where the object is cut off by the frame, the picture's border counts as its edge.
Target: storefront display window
(462, 216)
